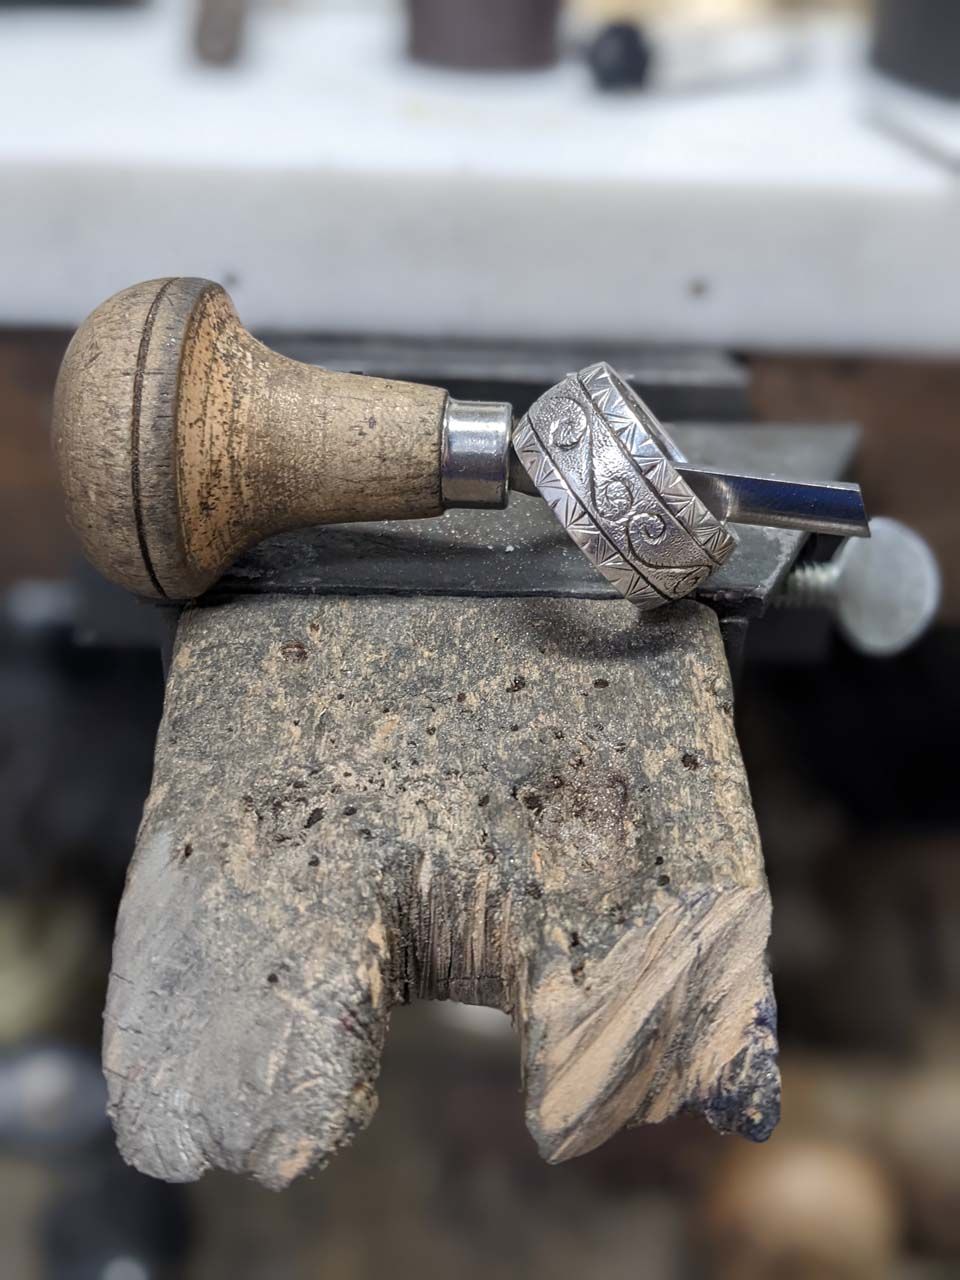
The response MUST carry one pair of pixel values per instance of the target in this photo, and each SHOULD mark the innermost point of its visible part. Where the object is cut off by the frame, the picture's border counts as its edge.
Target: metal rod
(831, 507)
(814, 506)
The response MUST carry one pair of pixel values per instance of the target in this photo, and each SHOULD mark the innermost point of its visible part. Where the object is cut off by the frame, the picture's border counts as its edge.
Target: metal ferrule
(475, 460)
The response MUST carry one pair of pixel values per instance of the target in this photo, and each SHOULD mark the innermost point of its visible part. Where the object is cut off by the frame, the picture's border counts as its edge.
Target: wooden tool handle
(181, 440)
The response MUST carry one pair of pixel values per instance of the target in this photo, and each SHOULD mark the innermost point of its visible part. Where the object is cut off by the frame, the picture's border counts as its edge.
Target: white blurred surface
(332, 186)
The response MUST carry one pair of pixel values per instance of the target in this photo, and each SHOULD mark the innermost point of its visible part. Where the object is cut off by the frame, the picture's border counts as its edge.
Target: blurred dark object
(218, 36)
(910, 784)
(110, 1222)
(98, 1219)
(34, 541)
(484, 35)
(855, 790)
(76, 738)
(918, 41)
(620, 56)
(52, 1098)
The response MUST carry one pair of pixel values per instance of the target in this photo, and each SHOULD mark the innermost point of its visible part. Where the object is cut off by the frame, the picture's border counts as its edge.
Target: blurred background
(765, 198)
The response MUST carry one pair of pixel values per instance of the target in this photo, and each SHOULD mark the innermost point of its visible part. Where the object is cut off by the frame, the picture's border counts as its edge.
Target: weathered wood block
(536, 804)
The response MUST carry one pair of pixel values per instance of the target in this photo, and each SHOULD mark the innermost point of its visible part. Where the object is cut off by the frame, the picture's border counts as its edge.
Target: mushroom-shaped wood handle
(181, 440)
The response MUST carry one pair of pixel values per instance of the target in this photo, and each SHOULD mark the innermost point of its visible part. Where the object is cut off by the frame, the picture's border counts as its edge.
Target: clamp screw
(884, 592)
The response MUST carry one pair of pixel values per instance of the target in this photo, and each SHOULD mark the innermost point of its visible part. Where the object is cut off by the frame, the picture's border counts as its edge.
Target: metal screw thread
(810, 586)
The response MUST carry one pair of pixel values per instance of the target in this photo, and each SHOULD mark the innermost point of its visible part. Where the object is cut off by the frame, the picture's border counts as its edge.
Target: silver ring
(604, 465)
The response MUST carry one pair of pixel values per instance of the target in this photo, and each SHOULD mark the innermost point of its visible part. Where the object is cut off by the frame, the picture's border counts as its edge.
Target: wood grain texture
(533, 804)
(182, 440)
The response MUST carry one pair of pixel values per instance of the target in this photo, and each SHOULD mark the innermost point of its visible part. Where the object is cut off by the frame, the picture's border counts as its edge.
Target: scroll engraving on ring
(604, 464)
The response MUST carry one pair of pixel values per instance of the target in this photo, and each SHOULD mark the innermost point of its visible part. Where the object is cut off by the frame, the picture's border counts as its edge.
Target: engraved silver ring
(605, 466)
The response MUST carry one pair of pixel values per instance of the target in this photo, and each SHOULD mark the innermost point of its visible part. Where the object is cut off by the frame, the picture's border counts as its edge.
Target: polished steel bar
(830, 507)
